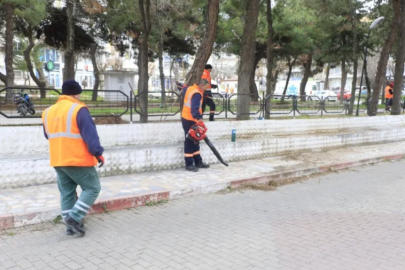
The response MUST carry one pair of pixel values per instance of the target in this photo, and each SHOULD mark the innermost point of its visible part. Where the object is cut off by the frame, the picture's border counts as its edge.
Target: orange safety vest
(186, 112)
(66, 145)
(207, 76)
(387, 92)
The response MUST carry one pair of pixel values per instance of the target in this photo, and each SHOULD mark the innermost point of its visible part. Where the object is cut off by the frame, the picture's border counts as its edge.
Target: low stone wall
(149, 147)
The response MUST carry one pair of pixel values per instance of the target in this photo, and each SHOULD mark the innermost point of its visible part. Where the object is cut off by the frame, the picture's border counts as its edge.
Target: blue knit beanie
(71, 88)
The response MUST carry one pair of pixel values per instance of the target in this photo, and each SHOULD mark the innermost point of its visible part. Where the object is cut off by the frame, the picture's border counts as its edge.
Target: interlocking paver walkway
(338, 221)
(37, 199)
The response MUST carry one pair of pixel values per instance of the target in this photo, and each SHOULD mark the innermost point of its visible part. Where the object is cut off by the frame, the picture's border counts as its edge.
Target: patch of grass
(105, 208)
(228, 189)
(11, 234)
(153, 203)
(58, 219)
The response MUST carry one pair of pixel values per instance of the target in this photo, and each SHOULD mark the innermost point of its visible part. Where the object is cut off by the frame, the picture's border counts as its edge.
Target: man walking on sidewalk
(75, 149)
(192, 115)
(208, 98)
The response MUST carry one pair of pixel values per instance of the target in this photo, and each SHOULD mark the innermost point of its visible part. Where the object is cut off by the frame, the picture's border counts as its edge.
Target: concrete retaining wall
(148, 147)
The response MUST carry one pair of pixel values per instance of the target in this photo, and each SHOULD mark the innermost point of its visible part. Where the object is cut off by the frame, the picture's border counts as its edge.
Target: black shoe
(192, 168)
(202, 165)
(74, 225)
(70, 231)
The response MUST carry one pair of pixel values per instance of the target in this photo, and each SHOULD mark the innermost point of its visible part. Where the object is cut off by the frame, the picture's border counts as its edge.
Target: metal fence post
(294, 106)
(322, 106)
(226, 106)
(263, 106)
(130, 104)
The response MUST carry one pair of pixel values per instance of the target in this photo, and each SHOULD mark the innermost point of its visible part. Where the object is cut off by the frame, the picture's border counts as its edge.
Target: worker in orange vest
(75, 149)
(389, 94)
(208, 99)
(191, 119)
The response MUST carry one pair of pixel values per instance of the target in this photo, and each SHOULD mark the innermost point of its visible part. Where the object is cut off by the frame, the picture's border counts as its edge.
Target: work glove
(100, 160)
(214, 86)
(202, 125)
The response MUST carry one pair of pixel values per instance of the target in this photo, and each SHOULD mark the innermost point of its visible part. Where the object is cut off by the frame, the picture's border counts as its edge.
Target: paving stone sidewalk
(351, 220)
(34, 204)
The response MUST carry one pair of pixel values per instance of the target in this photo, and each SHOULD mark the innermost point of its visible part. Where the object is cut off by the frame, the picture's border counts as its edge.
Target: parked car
(346, 95)
(323, 94)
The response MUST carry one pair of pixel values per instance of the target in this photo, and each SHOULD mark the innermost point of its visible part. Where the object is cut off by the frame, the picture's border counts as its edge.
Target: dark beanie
(208, 66)
(71, 88)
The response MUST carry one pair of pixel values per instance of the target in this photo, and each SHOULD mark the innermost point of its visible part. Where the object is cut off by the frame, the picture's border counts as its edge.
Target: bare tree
(355, 58)
(327, 71)
(144, 7)
(69, 70)
(307, 63)
(399, 65)
(269, 77)
(41, 81)
(96, 71)
(382, 63)
(247, 58)
(205, 50)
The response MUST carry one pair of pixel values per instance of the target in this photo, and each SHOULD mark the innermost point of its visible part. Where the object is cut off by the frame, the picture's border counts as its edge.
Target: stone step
(29, 205)
(33, 169)
(30, 140)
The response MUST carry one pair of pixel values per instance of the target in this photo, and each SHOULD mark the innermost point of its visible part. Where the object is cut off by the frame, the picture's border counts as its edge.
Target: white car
(323, 94)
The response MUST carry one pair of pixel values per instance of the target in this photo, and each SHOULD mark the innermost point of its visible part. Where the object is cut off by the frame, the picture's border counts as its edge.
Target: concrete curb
(17, 220)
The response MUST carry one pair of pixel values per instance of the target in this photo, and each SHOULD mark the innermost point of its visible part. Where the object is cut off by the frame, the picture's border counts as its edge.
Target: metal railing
(112, 103)
(30, 102)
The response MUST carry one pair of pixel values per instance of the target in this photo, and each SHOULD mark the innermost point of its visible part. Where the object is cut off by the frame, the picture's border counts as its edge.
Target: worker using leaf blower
(193, 125)
(208, 98)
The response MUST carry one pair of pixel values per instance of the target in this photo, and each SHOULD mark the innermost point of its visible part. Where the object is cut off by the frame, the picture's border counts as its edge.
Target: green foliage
(33, 12)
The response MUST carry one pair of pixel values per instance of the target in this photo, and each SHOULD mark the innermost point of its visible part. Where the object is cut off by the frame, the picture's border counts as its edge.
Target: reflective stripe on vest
(68, 133)
(189, 97)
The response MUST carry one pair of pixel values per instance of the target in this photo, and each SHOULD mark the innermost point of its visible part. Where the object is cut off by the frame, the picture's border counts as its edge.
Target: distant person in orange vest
(389, 94)
(208, 99)
(191, 116)
(75, 149)
(232, 90)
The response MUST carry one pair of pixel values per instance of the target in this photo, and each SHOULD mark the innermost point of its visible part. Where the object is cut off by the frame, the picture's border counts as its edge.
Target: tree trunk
(269, 76)
(343, 81)
(96, 71)
(253, 87)
(69, 70)
(399, 64)
(254, 92)
(355, 52)
(143, 59)
(382, 63)
(41, 82)
(161, 71)
(327, 76)
(307, 73)
(9, 37)
(382, 89)
(9, 45)
(274, 82)
(368, 84)
(247, 60)
(3, 78)
(290, 67)
(204, 52)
